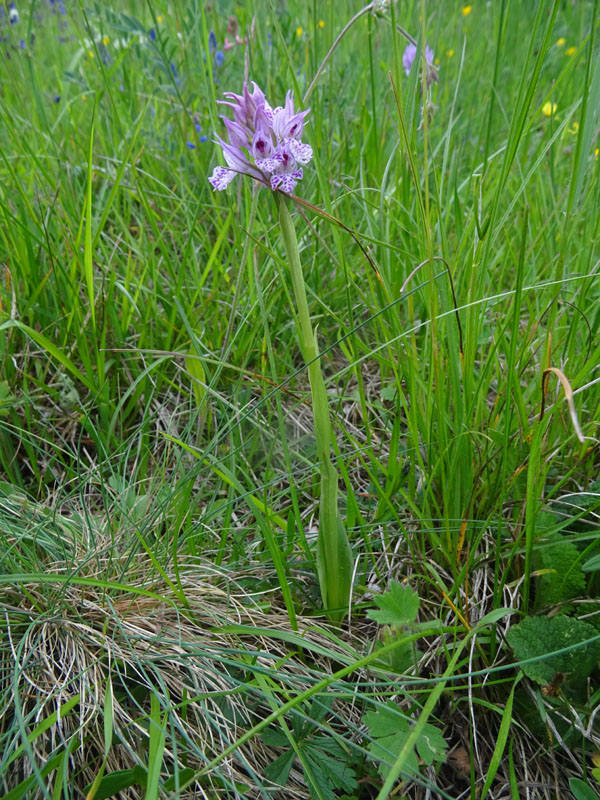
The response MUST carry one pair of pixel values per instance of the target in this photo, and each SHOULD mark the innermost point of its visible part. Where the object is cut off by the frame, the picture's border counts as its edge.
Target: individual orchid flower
(264, 142)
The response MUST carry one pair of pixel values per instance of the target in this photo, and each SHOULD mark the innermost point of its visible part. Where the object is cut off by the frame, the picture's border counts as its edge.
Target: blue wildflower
(212, 42)
(191, 145)
(199, 130)
(13, 14)
(175, 74)
(152, 34)
(56, 98)
(22, 44)
(219, 58)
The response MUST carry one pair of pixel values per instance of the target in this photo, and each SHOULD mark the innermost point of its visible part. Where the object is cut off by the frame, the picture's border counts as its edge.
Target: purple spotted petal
(301, 152)
(268, 164)
(221, 178)
(286, 182)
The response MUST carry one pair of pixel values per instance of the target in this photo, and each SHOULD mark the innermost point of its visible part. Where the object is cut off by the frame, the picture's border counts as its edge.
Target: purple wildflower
(264, 143)
(411, 52)
(408, 58)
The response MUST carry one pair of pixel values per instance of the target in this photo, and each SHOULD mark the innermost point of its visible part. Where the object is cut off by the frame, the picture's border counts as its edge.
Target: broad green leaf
(431, 745)
(274, 737)
(114, 782)
(278, 771)
(183, 775)
(537, 637)
(386, 750)
(565, 579)
(582, 790)
(330, 771)
(390, 731)
(398, 606)
(196, 369)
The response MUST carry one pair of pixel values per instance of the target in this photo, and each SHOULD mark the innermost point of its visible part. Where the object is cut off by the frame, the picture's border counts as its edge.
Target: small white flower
(379, 6)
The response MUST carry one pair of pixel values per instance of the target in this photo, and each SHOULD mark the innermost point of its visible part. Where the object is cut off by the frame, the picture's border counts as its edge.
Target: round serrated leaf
(537, 640)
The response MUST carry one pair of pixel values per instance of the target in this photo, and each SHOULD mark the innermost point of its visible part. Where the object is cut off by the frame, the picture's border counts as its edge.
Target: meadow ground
(233, 567)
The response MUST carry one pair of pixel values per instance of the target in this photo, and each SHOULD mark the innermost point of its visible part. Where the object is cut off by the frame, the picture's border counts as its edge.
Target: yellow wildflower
(105, 40)
(159, 18)
(574, 129)
(321, 23)
(548, 109)
(560, 42)
(466, 11)
(299, 32)
(91, 53)
(570, 50)
(596, 153)
(449, 53)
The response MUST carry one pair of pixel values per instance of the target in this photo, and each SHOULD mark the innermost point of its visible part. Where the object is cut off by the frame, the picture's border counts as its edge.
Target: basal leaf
(565, 579)
(535, 637)
(431, 746)
(279, 770)
(582, 790)
(390, 730)
(330, 772)
(115, 782)
(385, 721)
(398, 606)
(386, 750)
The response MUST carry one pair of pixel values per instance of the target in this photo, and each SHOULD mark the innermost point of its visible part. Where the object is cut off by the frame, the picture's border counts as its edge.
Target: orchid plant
(266, 144)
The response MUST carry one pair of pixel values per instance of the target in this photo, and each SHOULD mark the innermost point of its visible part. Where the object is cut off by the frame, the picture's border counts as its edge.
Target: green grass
(162, 630)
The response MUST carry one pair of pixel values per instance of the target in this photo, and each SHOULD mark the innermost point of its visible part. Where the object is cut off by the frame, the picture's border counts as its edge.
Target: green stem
(334, 560)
